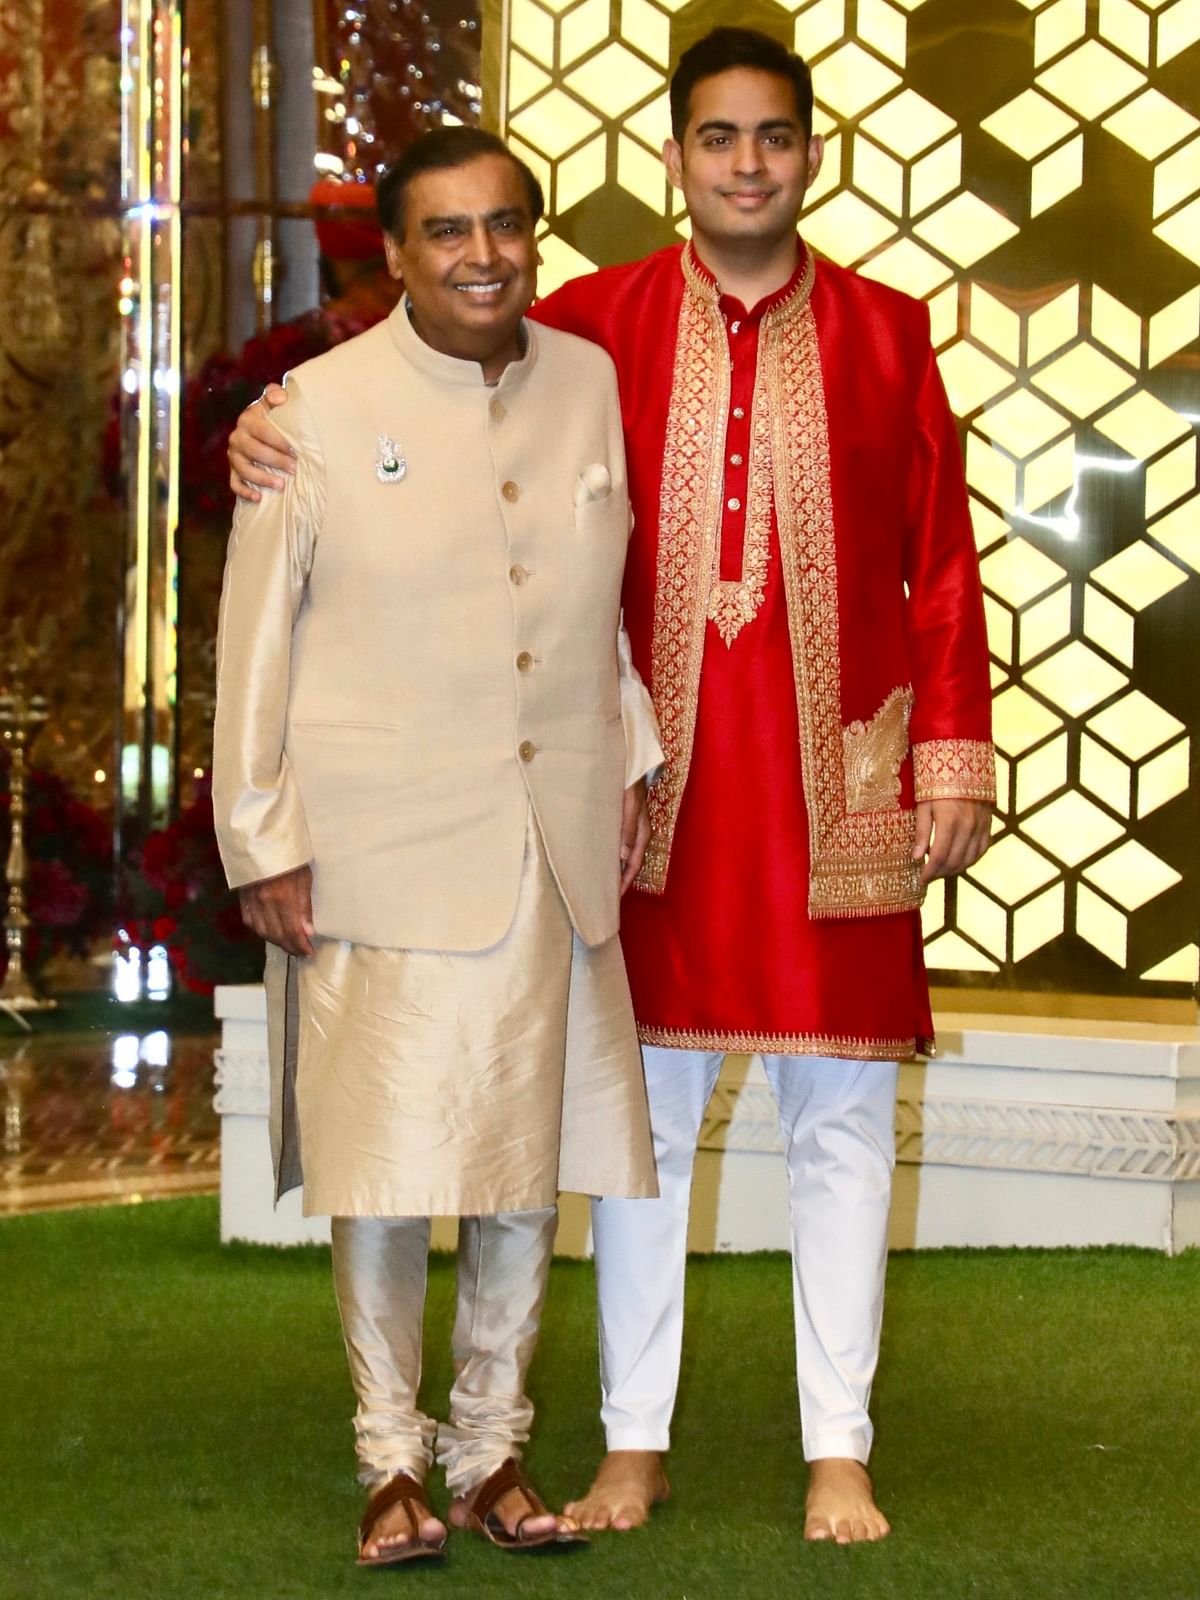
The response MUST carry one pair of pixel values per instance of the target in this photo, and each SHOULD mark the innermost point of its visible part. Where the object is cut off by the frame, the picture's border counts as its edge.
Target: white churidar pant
(379, 1271)
(838, 1123)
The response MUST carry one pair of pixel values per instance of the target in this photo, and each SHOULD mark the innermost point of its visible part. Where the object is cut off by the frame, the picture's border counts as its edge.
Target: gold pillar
(153, 83)
(262, 87)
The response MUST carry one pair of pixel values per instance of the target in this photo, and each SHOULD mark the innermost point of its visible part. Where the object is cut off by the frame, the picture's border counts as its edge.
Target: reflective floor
(101, 1117)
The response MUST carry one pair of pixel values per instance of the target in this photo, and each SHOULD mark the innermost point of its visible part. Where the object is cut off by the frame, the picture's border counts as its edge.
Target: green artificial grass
(174, 1422)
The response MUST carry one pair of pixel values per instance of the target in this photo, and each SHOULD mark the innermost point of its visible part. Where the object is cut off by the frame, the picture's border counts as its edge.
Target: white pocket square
(595, 482)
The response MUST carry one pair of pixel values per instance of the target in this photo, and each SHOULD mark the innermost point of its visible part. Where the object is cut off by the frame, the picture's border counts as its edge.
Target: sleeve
(953, 756)
(643, 752)
(257, 808)
(644, 756)
(572, 308)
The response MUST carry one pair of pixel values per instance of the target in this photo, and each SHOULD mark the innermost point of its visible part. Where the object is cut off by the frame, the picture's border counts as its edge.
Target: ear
(391, 250)
(673, 161)
(816, 154)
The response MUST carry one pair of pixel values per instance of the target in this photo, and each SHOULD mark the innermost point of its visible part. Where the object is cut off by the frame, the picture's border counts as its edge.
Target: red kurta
(741, 947)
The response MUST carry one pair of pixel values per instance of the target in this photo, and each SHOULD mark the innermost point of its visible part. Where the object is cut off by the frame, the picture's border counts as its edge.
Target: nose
(482, 250)
(747, 156)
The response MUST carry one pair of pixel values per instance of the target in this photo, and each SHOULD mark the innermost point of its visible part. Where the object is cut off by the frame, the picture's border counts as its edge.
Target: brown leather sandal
(403, 1490)
(480, 1513)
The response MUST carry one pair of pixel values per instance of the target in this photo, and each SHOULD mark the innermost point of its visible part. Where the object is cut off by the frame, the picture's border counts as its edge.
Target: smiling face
(468, 260)
(745, 160)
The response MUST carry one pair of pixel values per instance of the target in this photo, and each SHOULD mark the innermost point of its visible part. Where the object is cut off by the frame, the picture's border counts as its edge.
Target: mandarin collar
(453, 369)
(796, 289)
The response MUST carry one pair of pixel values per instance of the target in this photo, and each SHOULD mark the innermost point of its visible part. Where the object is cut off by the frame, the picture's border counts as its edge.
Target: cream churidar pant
(379, 1275)
(476, 1085)
(838, 1124)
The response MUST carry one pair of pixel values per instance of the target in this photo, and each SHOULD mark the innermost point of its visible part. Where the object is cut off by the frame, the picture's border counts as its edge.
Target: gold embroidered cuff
(954, 769)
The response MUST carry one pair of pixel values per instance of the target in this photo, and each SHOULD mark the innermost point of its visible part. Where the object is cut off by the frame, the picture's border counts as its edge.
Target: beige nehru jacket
(406, 661)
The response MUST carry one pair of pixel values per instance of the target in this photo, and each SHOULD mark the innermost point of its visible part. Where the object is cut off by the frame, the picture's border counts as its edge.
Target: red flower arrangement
(226, 384)
(178, 898)
(222, 388)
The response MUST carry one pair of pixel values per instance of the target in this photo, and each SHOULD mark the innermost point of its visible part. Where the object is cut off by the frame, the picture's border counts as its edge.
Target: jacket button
(510, 491)
(526, 750)
(524, 662)
(497, 409)
(517, 575)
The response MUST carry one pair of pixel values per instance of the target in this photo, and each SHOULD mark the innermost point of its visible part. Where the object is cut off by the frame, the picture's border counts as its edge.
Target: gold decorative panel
(1031, 168)
(60, 267)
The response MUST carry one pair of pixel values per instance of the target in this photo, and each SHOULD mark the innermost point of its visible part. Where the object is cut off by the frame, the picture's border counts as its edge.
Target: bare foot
(395, 1527)
(627, 1484)
(841, 1503)
(509, 1511)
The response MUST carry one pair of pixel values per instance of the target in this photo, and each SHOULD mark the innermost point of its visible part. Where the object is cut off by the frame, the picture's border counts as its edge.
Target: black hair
(726, 48)
(439, 151)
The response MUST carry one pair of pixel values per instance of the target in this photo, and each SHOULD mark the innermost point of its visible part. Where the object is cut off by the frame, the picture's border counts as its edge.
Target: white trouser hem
(656, 1439)
(844, 1446)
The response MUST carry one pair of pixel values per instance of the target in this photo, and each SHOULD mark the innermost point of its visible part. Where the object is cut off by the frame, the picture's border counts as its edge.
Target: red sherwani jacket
(802, 594)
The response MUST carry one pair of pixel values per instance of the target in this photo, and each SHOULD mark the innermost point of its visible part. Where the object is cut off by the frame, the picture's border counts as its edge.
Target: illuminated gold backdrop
(60, 259)
(1032, 169)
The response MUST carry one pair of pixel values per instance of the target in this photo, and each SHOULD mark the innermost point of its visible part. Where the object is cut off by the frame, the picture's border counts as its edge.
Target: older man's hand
(951, 836)
(635, 832)
(280, 910)
(258, 452)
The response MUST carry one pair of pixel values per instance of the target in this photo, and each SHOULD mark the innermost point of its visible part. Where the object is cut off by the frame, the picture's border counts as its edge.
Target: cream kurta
(462, 1085)
(424, 692)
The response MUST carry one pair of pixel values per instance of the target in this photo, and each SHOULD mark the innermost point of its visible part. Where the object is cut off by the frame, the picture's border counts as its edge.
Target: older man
(428, 752)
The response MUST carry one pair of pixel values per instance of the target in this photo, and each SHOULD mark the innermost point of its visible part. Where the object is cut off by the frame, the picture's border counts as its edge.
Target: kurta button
(739, 412)
(735, 461)
(524, 662)
(510, 491)
(517, 575)
(734, 504)
(526, 750)
(497, 409)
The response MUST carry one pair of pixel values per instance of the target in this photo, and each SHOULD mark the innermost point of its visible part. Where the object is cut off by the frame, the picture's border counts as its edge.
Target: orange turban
(344, 213)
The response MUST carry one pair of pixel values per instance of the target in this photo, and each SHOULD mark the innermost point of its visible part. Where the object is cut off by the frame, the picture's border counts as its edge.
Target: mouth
(749, 197)
(480, 290)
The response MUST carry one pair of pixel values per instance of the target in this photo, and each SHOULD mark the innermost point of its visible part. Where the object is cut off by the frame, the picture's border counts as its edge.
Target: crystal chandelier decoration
(392, 70)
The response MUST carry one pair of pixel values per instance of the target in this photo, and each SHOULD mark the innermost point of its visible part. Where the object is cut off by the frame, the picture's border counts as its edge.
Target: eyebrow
(717, 125)
(462, 219)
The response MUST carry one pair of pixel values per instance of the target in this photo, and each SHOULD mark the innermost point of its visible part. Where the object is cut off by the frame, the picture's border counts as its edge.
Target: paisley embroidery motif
(874, 753)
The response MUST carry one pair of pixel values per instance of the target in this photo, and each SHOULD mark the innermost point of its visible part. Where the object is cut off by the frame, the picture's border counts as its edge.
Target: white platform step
(1023, 1131)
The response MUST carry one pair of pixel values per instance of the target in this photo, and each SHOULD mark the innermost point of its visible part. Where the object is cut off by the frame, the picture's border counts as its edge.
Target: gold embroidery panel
(734, 603)
(874, 753)
(861, 862)
(954, 769)
(689, 520)
(786, 1044)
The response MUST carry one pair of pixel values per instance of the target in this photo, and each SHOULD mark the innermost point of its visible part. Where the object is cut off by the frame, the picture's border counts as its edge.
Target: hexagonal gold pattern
(1056, 382)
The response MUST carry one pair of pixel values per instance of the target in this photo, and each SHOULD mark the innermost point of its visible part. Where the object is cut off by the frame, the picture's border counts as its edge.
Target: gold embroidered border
(786, 1044)
(732, 603)
(954, 769)
(861, 862)
(689, 552)
(688, 526)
